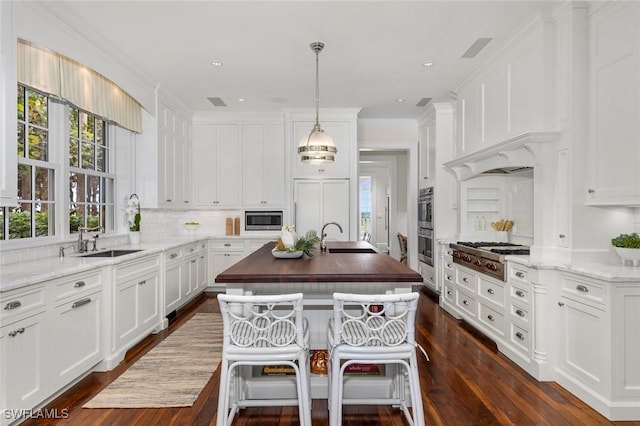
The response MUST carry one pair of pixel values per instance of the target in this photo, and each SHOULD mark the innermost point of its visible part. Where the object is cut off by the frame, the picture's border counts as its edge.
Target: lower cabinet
(76, 337)
(223, 254)
(184, 275)
(24, 363)
(136, 301)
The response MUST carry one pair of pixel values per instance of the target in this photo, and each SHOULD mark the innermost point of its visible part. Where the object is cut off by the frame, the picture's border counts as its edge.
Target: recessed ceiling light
(428, 64)
(241, 99)
(399, 100)
(216, 63)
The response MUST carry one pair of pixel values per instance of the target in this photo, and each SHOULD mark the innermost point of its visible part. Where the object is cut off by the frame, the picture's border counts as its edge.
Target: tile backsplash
(156, 225)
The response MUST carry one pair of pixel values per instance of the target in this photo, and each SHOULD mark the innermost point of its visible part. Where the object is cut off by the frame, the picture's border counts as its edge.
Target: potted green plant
(627, 246)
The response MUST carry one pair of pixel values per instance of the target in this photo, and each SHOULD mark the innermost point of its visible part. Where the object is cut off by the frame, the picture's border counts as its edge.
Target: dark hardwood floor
(467, 382)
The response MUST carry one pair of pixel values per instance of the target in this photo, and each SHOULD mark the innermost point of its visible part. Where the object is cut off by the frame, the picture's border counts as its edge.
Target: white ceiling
(374, 50)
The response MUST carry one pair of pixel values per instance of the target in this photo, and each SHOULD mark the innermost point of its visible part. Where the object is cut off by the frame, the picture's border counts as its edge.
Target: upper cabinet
(217, 165)
(263, 171)
(174, 151)
(8, 96)
(511, 94)
(613, 177)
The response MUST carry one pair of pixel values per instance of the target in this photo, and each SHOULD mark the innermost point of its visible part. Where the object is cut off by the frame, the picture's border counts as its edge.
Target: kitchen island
(347, 267)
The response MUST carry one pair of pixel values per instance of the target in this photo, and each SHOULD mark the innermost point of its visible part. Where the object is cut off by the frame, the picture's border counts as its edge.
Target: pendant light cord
(317, 89)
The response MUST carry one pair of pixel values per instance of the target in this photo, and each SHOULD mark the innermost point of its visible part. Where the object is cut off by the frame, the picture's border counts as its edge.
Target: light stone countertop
(600, 271)
(22, 274)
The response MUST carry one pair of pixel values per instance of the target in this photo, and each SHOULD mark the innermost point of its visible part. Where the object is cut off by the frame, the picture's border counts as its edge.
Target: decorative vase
(628, 254)
(134, 237)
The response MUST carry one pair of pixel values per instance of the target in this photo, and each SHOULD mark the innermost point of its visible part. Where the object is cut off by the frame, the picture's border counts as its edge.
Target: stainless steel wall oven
(425, 225)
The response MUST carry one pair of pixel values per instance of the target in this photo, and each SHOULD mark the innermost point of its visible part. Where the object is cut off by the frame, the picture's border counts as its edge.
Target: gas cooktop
(494, 247)
(486, 256)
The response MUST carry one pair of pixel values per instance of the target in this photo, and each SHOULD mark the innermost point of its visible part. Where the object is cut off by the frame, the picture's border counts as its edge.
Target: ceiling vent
(423, 102)
(217, 102)
(476, 47)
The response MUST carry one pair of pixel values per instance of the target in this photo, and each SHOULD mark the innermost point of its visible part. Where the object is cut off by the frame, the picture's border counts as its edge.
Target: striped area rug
(173, 373)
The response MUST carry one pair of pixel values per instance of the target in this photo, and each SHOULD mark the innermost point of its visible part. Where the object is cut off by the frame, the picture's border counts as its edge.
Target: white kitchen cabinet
(201, 268)
(25, 359)
(223, 254)
(8, 119)
(263, 171)
(76, 335)
(217, 165)
(317, 202)
(341, 133)
(136, 301)
(172, 280)
(613, 176)
(174, 140)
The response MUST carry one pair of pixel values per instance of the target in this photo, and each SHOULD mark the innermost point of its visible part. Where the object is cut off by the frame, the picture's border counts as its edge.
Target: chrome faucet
(323, 246)
(62, 249)
(82, 246)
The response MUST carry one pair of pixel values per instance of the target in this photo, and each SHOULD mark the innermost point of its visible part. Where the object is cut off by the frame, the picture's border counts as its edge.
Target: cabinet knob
(490, 318)
(560, 304)
(465, 280)
(490, 291)
(520, 335)
(449, 292)
(519, 313)
(561, 236)
(519, 293)
(519, 275)
(464, 302)
(591, 190)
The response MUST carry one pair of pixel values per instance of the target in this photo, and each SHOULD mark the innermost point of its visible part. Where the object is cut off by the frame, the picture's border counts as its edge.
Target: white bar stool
(262, 330)
(374, 329)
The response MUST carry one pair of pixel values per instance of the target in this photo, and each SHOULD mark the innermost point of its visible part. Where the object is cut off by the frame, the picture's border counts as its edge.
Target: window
(91, 187)
(35, 215)
(40, 142)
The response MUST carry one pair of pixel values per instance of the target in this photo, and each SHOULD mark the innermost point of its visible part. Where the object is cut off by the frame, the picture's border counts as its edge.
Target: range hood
(518, 154)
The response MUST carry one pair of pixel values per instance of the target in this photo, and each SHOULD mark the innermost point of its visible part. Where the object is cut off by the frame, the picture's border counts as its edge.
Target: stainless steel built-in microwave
(260, 220)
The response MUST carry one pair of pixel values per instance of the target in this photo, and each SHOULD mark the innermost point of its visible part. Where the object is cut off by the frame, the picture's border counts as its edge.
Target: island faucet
(323, 246)
(81, 246)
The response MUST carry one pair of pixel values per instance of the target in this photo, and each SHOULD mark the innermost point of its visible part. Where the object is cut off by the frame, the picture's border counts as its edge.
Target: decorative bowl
(283, 254)
(191, 227)
(628, 254)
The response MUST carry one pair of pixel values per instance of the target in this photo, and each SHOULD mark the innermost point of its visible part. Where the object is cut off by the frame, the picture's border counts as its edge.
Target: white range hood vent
(524, 151)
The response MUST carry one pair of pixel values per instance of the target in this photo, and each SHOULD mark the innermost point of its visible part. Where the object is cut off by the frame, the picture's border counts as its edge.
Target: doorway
(374, 207)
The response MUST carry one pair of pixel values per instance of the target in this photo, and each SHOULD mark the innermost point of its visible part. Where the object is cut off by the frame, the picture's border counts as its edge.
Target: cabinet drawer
(466, 303)
(520, 314)
(519, 336)
(490, 291)
(137, 266)
(492, 318)
(191, 249)
(19, 304)
(77, 284)
(449, 292)
(520, 294)
(583, 290)
(466, 280)
(518, 274)
(226, 245)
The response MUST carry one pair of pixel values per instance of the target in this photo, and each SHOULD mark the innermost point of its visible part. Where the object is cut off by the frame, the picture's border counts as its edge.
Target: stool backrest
(374, 320)
(262, 321)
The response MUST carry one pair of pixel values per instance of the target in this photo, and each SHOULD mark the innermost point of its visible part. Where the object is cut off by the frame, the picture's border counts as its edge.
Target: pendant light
(317, 147)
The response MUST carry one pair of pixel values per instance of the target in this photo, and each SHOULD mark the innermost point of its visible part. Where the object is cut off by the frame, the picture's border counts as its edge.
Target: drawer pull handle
(560, 304)
(448, 265)
(173, 256)
(193, 261)
(143, 282)
(490, 318)
(168, 201)
(12, 305)
(79, 284)
(519, 313)
(519, 275)
(449, 292)
(464, 302)
(465, 280)
(227, 244)
(201, 257)
(582, 288)
(520, 335)
(519, 293)
(80, 303)
(490, 291)
(448, 277)
(16, 332)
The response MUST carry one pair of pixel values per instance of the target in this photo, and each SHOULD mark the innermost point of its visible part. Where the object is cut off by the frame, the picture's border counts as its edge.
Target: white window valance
(67, 79)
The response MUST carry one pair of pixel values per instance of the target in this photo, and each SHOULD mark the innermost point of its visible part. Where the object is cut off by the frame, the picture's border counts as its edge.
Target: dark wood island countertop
(262, 267)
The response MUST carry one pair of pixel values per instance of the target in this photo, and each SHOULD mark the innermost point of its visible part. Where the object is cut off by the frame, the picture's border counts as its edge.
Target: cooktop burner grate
(476, 244)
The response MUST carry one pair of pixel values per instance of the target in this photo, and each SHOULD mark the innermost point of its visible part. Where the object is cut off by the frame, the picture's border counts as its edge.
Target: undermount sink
(352, 250)
(110, 253)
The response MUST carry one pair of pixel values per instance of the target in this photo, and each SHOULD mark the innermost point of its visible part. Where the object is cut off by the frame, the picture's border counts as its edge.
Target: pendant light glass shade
(317, 147)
